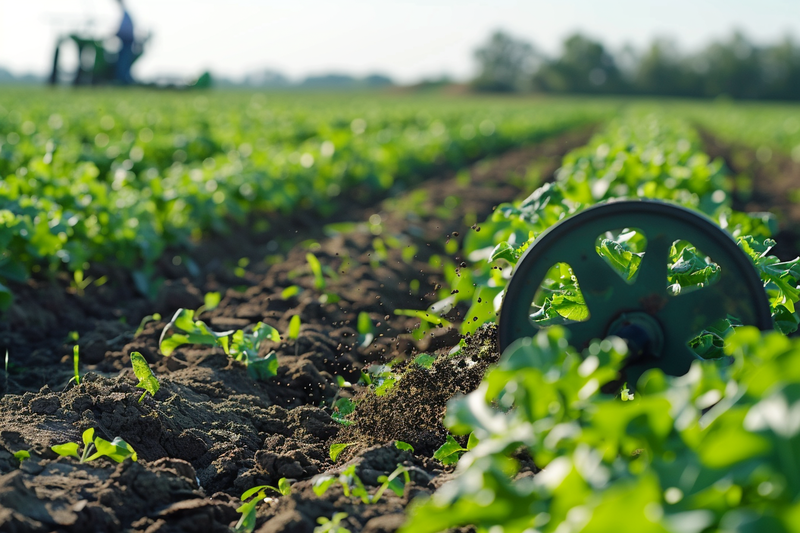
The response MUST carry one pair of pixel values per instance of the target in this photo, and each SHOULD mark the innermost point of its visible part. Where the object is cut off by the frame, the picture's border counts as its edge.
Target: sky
(408, 40)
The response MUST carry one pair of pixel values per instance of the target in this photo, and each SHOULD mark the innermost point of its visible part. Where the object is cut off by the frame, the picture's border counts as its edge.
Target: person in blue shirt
(125, 57)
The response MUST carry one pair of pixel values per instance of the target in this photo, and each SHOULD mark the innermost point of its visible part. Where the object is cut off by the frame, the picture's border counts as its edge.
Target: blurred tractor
(97, 59)
(97, 62)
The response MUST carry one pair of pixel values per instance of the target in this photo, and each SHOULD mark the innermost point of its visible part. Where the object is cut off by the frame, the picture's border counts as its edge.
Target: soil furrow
(212, 432)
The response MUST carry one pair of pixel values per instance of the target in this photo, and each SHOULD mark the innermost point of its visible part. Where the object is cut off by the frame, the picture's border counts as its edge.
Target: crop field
(364, 312)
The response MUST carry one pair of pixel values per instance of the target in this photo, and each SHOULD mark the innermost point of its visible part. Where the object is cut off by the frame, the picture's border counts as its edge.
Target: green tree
(584, 67)
(505, 64)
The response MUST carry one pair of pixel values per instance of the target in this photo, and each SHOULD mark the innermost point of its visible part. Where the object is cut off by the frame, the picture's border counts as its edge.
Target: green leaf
(294, 327)
(75, 363)
(316, 269)
(504, 251)
(424, 360)
(190, 332)
(263, 368)
(284, 487)
(290, 291)
(264, 331)
(69, 449)
(88, 436)
(345, 406)
(366, 329)
(337, 449)
(21, 455)
(147, 380)
(449, 452)
(321, 484)
(117, 450)
(247, 522)
(400, 445)
(424, 316)
(211, 300)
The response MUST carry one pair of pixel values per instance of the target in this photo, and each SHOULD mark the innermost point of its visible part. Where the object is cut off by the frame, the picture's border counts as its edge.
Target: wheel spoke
(597, 280)
(688, 314)
(581, 333)
(652, 275)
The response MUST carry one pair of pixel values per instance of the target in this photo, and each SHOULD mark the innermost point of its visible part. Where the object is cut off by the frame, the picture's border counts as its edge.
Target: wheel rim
(738, 292)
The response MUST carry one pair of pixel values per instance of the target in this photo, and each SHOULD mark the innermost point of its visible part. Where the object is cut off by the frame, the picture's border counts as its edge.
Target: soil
(212, 432)
(771, 185)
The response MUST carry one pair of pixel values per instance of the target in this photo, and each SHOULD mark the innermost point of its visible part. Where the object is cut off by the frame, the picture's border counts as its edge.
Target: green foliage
(247, 522)
(353, 486)
(147, 380)
(451, 451)
(117, 450)
(638, 155)
(240, 345)
(424, 360)
(342, 408)
(694, 453)
(21, 455)
(337, 449)
(331, 525)
(190, 331)
(427, 321)
(122, 177)
(316, 270)
(366, 330)
(400, 445)
(294, 328)
(145, 320)
(75, 363)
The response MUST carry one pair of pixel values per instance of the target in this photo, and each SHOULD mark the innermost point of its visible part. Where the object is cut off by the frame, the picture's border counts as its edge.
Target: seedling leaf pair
(247, 522)
(239, 345)
(117, 450)
(451, 451)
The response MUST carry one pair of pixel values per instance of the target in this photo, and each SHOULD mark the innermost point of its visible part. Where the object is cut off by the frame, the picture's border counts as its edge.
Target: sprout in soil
(118, 450)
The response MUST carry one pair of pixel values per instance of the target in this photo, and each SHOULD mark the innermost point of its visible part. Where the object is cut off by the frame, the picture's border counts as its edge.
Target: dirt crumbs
(212, 432)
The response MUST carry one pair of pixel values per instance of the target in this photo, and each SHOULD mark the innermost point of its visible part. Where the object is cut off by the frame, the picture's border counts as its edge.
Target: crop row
(89, 178)
(639, 156)
(714, 450)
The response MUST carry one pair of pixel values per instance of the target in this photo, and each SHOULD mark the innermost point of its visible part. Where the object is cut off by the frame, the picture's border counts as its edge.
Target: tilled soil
(771, 185)
(212, 432)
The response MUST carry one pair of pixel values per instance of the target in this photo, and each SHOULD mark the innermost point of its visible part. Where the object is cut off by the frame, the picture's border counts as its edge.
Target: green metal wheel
(656, 324)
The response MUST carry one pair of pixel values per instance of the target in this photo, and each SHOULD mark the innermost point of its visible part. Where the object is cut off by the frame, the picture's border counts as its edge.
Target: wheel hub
(641, 332)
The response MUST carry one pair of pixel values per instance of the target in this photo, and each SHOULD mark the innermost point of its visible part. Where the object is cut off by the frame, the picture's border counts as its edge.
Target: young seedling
(145, 320)
(247, 522)
(22, 455)
(191, 332)
(210, 301)
(342, 408)
(117, 450)
(331, 525)
(75, 363)
(353, 486)
(366, 331)
(147, 380)
(400, 445)
(244, 347)
(239, 344)
(337, 449)
(294, 332)
(451, 451)
(316, 269)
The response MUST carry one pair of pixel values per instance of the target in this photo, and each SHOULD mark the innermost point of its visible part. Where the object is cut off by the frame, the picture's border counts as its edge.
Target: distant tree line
(734, 67)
